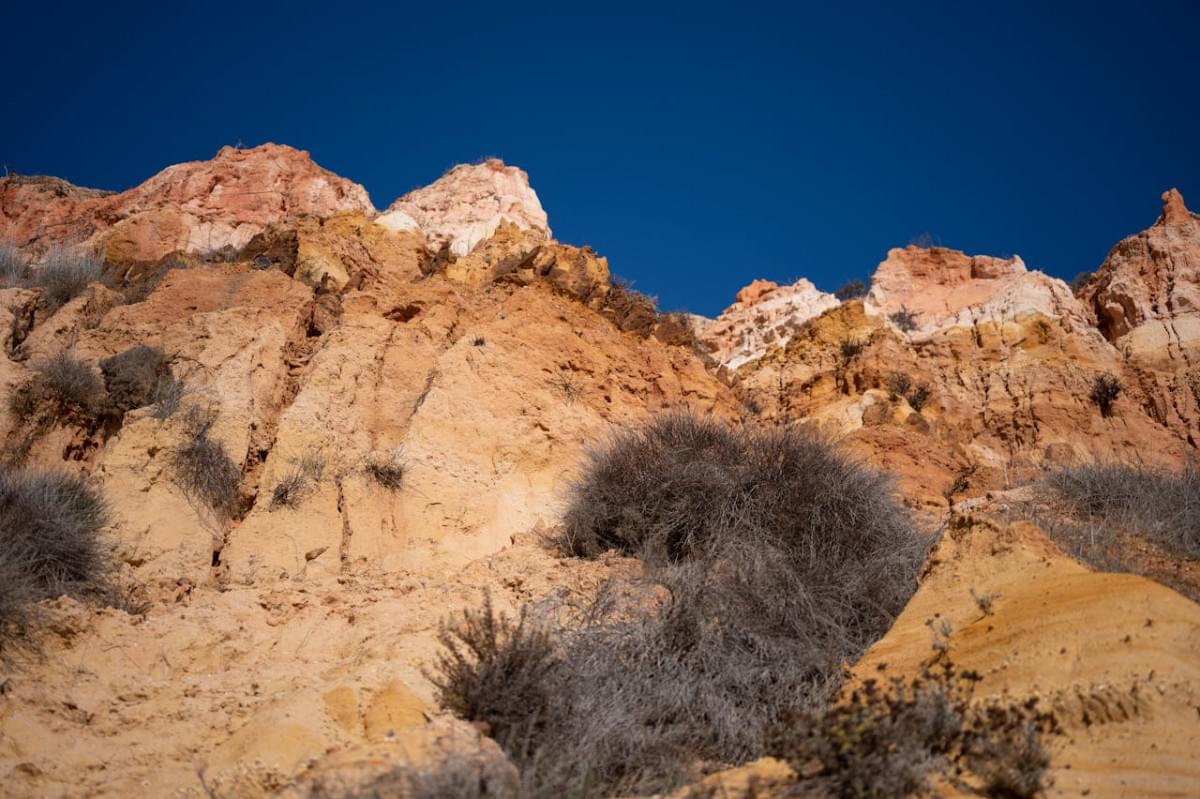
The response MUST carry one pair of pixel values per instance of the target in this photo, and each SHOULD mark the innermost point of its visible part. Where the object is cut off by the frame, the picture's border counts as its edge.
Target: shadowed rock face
(454, 341)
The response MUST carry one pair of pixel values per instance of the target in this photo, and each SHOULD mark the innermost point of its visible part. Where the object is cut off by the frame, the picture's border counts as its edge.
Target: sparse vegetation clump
(65, 386)
(455, 776)
(1159, 505)
(851, 290)
(202, 467)
(889, 740)
(851, 348)
(387, 469)
(50, 545)
(904, 319)
(64, 275)
(132, 378)
(770, 559)
(1105, 390)
(899, 384)
(14, 267)
(297, 483)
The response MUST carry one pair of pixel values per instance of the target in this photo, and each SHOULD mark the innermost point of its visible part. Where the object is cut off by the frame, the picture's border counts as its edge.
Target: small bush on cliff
(296, 484)
(64, 275)
(919, 396)
(899, 384)
(50, 545)
(770, 559)
(851, 348)
(14, 267)
(387, 469)
(851, 290)
(203, 469)
(1105, 390)
(69, 386)
(1080, 281)
(904, 319)
(132, 378)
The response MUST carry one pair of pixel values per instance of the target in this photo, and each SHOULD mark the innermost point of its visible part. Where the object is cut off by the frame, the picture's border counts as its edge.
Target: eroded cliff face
(453, 338)
(966, 373)
(295, 630)
(201, 206)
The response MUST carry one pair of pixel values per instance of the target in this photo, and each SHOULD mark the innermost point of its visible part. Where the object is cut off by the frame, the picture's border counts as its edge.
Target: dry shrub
(851, 290)
(851, 348)
(132, 378)
(770, 560)
(1105, 390)
(50, 545)
(202, 467)
(387, 469)
(890, 741)
(904, 319)
(64, 274)
(65, 385)
(298, 482)
(1089, 509)
(168, 396)
(630, 309)
(456, 776)
(14, 267)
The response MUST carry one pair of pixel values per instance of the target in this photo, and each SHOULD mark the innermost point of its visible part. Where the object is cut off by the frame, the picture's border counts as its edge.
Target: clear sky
(698, 147)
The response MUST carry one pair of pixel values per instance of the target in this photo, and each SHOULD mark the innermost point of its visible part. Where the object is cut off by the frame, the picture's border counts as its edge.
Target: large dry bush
(771, 559)
(1092, 507)
(50, 545)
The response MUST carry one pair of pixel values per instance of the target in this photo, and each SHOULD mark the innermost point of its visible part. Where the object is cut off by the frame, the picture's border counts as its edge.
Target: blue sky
(698, 147)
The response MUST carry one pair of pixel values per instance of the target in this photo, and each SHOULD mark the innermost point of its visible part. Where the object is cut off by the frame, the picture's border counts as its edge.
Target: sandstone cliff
(446, 363)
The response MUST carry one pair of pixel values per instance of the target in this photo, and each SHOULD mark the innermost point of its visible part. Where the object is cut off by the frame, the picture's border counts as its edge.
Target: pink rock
(467, 204)
(197, 206)
(763, 315)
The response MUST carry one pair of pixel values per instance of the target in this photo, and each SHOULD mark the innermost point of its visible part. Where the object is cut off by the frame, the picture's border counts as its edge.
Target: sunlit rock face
(199, 207)
(764, 314)
(467, 205)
